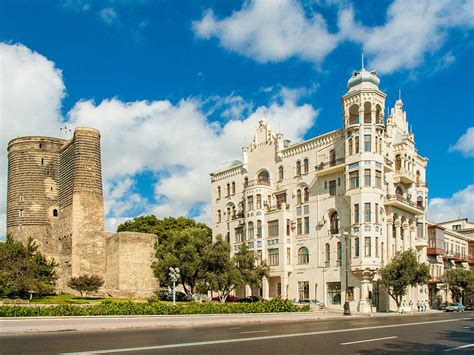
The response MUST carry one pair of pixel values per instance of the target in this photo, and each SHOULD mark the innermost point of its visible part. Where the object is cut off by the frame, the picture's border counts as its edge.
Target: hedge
(154, 308)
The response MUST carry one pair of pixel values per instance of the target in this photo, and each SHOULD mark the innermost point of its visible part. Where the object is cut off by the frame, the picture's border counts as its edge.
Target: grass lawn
(71, 299)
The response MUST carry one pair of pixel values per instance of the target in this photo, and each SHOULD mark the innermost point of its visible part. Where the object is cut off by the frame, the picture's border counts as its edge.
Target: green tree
(460, 281)
(225, 273)
(24, 270)
(86, 284)
(183, 249)
(403, 271)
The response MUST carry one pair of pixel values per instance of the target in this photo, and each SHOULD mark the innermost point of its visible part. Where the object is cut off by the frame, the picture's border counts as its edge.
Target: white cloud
(270, 31)
(108, 15)
(275, 31)
(460, 204)
(177, 142)
(465, 143)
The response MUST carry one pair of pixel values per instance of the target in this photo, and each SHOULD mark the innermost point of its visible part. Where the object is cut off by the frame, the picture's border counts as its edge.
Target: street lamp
(174, 276)
(343, 232)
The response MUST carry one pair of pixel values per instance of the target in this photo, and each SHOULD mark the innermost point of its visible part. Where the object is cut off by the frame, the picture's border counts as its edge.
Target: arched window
(378, 114)
(417, 178)
(280, 173)
(250, 230)
(298, 197)
(367, 112)
(339, 252)
(354, 114)
(332, 157)
(259, 229)
(228, 214)
(228, 190)
(263, 178)
(419, 202)
(218, 192)
(328, 253)
(356, 144)
(334, 219)
(306, 194)
(246, 181)
(350, 146)
(55, 213)
(303, 255)
(356, 247)
(306, 165)
(399, 191)
(298, 168)
(398, 162)
(219, 216)
(233, 187)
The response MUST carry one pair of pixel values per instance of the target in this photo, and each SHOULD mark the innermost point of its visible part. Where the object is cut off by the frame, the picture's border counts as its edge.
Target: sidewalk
(55, 324)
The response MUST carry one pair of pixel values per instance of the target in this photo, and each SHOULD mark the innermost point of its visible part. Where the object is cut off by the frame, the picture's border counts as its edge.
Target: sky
(177, 87)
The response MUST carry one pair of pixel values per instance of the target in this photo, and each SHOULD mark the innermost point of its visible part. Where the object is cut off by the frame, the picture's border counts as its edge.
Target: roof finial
(363, 68)
(399, 94)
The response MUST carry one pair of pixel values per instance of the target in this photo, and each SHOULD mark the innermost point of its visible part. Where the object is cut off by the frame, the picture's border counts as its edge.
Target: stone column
(389, 238)
(406, 236)
(265, 288)
(412, 235)
(398, 229)
(365, 287)
(284, 283)
(247, 291)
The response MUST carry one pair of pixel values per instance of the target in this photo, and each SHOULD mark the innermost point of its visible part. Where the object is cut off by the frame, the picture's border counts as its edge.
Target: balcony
(257, 182)
(420, 242)
(435, 251)
(470, 259)
(404, 176)
(330, 167)
(404, 204)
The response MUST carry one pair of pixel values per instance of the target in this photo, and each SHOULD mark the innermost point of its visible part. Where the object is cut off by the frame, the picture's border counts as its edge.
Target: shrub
(155, 308)
(86, 284)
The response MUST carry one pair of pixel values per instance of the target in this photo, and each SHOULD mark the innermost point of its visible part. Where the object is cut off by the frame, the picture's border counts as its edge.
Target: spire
(363, 68)
(399, 94)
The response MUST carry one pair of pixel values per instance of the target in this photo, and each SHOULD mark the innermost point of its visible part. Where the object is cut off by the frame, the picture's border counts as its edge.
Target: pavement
(24, 325)
(326, 333)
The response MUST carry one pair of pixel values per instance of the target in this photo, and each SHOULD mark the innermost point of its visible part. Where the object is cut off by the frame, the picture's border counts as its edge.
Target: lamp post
(347, 309)
(174, 276)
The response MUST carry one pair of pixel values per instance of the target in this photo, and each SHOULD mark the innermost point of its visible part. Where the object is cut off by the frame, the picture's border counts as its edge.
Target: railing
(406, 201)
(265, 182)
(277, 207)
(238, 215)
(330, 163)
(404, 172)
(388, 162)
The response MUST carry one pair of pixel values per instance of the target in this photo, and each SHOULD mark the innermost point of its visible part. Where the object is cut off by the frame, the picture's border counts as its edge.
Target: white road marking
(266, 337)
(459, 347)
(233, 328)
(255, 331)
(367, 340)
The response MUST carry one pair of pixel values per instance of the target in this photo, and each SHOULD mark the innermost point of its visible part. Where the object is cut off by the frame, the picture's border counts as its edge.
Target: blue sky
(176, 87)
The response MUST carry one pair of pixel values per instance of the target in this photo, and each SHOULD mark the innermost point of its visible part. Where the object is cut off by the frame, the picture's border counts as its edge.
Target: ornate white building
(297, 205)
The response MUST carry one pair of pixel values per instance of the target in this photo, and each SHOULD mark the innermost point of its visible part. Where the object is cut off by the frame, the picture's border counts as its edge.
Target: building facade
(328, 212)
(54, 196)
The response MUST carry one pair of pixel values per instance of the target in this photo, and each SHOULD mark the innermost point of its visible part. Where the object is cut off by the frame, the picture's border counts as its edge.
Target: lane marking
(233, 328)
(266, 337)
(368, 340)
(255, 331)
(459, 347)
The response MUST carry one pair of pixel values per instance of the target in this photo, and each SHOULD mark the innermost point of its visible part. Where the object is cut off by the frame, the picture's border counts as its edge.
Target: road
(452, 332)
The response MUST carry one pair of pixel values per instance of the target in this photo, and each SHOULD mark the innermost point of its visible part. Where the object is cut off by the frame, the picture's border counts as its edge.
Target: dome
(363, 79)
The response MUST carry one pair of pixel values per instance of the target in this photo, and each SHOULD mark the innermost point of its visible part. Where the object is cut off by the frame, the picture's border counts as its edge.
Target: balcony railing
(330, 163)
(257, 182)
(237, 215)
(406, 201)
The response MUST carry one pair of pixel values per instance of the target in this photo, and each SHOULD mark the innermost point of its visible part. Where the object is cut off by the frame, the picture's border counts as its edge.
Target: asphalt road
(452, 332)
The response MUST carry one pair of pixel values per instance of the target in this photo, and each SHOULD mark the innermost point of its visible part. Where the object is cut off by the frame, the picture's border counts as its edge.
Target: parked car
(311, 302)
(229, 298)
(442, 306)
(455, 307)
(251, 299)
(469, 307)
(165, 295)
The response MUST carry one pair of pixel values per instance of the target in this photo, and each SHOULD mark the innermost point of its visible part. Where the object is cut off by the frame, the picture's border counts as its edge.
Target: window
(40, 146)
(332, 157)
(263, 178)
(350, 146)
(306, 194)
(250, 203)
(273, 257)
(356, 247)
(219, 216)
(239, 235)
(378, 178)
(356, 142)
(382, 251)
(367, 142)
(259, 257)
(303, 290)
(246, 181)
(354, 179)
(356, 214)
(55, 213)
(332, 188)
(339, 253)
(298, 197)
(366, 177)
(228, 214)
(280, 173)
(328, 254)
(419, 204)
(288, 256)
(376, 247)
(298, 168)
(259, 201)
(306, 225)
(299, 224)
(456, 227)
(338, 181)
(303, 255)
(273, 228)
(233, 187)
(250, 230)
(334, 222)
(42, 161)
(306, 166)
(280, 198)
(368, 246)
(218, 192)
(228, 190)
(288, 227)
(367, 212)
(334, 292)
(376, 213)
(20, 213)
(259, 229)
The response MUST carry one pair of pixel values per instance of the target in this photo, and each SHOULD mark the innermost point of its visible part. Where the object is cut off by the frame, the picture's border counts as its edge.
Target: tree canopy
(24, 270)
(86, 284)
(460, 281)
(403, 271)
